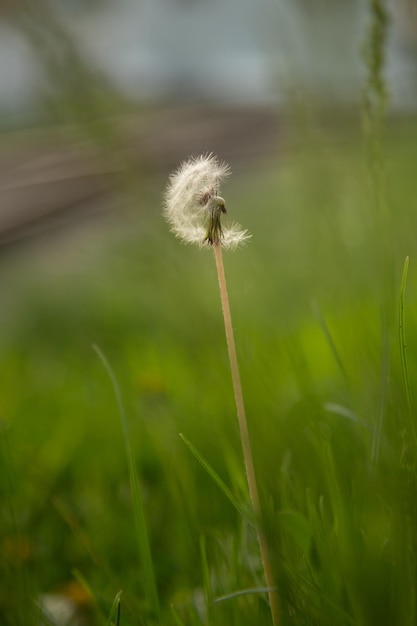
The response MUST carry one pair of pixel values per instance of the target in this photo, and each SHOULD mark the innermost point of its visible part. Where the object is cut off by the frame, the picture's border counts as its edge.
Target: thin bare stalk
(244, 435)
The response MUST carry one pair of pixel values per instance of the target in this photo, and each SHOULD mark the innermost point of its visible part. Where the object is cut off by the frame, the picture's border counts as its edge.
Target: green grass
(315, 299)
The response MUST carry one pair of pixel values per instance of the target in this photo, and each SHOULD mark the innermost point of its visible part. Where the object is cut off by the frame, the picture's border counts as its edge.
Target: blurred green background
(323, 157)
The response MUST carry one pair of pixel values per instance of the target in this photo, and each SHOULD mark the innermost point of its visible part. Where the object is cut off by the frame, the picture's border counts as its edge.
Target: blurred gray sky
(236, 51)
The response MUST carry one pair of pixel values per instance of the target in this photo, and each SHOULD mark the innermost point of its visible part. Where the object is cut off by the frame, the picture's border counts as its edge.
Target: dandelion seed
(194, 208)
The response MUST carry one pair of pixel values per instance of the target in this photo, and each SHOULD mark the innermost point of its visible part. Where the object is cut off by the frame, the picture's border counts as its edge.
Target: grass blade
(206, 579)
(329, 338)
(214, 475)
(114, 617)
(243, 592)
(403, 349)
(145, 555)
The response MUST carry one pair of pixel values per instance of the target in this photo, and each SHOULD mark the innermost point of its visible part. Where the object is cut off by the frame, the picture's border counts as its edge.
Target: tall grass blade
(243, 592)
(83, 582)
(114, 617)
(145, 555)
(216, 478)
(329, 338)
(374, 105)
(206, 579)
(403, 348)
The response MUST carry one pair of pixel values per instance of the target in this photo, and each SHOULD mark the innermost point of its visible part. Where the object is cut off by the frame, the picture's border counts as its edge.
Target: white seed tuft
(193, 207)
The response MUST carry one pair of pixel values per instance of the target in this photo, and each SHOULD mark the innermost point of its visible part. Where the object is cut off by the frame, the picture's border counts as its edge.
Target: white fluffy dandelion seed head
(185, 207)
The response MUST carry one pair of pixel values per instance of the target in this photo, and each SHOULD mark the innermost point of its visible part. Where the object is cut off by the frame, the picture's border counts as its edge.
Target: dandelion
(194, 208)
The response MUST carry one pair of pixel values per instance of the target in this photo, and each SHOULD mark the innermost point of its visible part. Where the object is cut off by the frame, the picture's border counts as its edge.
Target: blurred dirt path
(51, 177)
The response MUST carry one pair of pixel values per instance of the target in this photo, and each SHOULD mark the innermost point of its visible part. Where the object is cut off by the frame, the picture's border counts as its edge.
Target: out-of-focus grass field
(315, 299)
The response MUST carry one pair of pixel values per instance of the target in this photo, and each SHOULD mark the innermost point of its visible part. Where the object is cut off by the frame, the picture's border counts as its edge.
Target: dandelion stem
(245, 439)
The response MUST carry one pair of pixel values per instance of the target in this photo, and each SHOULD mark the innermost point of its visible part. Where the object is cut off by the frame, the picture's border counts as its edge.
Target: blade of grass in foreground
(114, 617)
(242, 592)
(150, 589)
(402, 337)
(206, 579)
(214, 475)
(329, 338)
